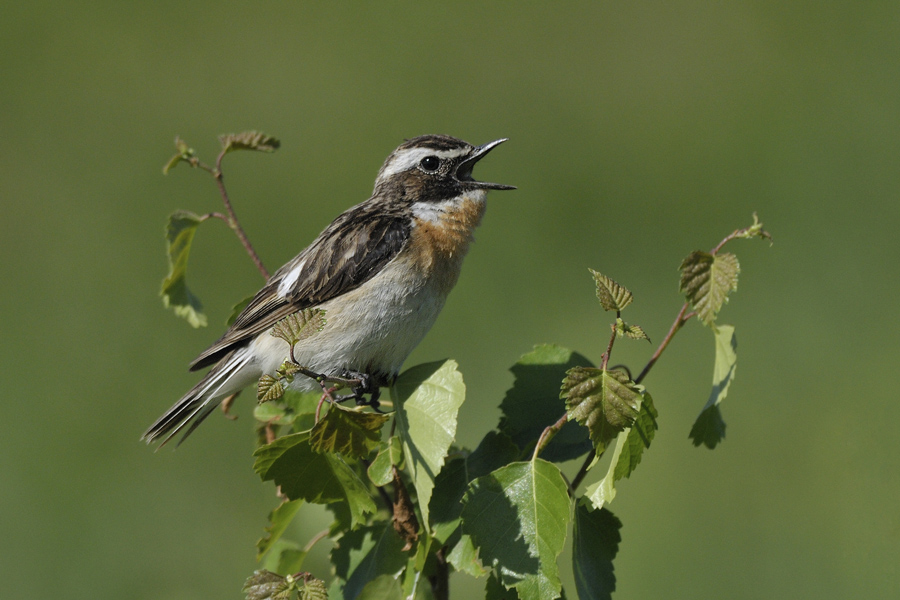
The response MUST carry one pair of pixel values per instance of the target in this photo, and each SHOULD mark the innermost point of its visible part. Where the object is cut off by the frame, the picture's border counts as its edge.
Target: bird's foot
(361, 384)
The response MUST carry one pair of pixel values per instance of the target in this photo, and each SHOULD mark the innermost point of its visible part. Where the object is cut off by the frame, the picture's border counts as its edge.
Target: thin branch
(315, 539)
(680, 320)
(579, 477)
(612, 340)
(440, 581)
(214, 215)
(232, 217)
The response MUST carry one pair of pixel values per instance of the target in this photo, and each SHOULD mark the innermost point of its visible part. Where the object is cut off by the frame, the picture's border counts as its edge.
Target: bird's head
(434, 168)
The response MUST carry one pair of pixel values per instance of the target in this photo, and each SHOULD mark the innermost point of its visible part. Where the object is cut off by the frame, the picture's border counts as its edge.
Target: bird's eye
(430, 164)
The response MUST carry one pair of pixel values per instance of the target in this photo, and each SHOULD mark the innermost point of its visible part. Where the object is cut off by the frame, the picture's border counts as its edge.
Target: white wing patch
(287, 283)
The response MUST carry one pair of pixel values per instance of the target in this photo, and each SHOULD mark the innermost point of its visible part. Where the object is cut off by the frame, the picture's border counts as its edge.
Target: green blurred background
(638, 133)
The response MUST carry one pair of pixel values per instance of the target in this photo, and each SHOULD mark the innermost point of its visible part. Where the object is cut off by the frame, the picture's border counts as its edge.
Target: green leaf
(237, 309)
(464, 558)
(352, 433)
(297, 408)
(595, 545)
(300, 325)
(639, 436)
(604, 491)
(366, 553)
(612, 295)
(265, 585)
(287, 370)
(313, 589)
(292, 464)
(175, 294)
(605, 401)
(279, 519)
(755, 230)
(183, 153)
(494, 590)
(709, 428)
(533, 403)
(449, 488)
(494, 451)
(284, 557)
(630, 444)
(517, 517)
(249, 140)
(383, 587)
(427, 398)
(268, 388)
(390, 454)
(706, 281)
(634, 332)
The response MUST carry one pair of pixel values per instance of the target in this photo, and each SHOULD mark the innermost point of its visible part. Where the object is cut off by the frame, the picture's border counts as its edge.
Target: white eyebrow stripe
(407, 159)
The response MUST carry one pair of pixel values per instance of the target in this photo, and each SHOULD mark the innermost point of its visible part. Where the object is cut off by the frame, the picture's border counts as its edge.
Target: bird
(380, 273)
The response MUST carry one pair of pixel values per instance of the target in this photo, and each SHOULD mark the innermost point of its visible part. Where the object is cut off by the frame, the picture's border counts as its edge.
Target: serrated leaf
(706, 281)
(366, 553)
(612, 295)
(300, 325)
(595, 545)
(533, 402)
(464, 558)
(249, 140)
(268, 388)
(630, 445)
(634, 332)
(605, 401)
(709, 428)
(237, 309)
(383, 587)
(427, 399)
(314, 589)
(265, 585)
(175, 294)
(390, 454)
(292, 464)
(287, 370)
(517, 518)
(279, 519)
(349, 432)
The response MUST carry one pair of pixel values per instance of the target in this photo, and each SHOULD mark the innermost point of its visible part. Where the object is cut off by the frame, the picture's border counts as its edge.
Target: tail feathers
(200, 401)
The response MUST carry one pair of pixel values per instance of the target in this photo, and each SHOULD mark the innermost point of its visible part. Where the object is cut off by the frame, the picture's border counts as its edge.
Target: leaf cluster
(489, 512)
(409, 505)
(503, 510)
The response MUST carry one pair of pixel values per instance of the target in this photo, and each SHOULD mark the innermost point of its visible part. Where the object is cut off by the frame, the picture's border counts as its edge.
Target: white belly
(371, 329)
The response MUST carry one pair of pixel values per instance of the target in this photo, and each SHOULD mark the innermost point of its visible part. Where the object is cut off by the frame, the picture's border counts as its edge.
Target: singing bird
(381, 272)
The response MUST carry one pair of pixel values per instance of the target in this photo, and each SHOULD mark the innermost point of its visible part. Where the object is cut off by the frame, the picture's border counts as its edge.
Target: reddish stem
(548, 434)
(233, 220)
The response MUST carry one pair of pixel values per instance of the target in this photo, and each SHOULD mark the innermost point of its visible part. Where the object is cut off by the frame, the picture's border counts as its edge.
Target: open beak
(464, 170)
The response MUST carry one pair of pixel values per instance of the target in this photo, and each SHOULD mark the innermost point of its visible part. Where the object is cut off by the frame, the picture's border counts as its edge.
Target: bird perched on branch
(380, 272)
